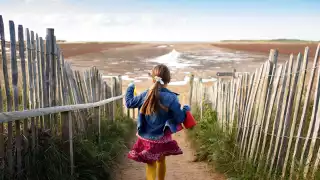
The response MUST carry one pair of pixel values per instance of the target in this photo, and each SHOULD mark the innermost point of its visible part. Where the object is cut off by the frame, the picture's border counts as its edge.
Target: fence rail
(40, 93)
(274, 113)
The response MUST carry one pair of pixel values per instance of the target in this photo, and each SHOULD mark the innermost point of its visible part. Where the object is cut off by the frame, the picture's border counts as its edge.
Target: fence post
(53, 76)
(105, 96)
(67, 136)
(119, 93)
(201, 97)
(113, 94)
(191, 88)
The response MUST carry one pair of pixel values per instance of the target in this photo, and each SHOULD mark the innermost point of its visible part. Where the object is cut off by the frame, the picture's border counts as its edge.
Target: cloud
(85, 21)
(37, 1)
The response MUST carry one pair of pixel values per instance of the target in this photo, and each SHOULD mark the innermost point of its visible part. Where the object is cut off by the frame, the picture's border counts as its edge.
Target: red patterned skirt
(148, 151)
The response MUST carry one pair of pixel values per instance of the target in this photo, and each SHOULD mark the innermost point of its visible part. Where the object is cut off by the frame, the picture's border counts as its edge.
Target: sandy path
(178, 167)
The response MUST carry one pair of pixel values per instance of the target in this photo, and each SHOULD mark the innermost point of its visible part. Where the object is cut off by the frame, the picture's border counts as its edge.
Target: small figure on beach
(160, 114)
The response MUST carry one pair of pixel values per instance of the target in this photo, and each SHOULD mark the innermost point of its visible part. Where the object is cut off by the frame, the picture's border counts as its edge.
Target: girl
(159, 114)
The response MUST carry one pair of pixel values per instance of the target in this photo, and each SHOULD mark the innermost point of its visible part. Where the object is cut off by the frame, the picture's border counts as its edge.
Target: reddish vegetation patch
(265, 47)
(74, 49)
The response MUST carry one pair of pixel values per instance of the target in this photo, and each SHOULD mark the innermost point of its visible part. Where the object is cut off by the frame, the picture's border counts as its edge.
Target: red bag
(189, 122)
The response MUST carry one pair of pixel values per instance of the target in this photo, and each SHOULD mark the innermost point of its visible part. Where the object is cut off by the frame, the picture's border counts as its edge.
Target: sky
(167, 20)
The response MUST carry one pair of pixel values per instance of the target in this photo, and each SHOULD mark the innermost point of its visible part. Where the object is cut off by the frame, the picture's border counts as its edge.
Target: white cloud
(82, 23)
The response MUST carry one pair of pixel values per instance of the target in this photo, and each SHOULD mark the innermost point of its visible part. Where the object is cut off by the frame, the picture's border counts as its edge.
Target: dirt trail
(178, 167)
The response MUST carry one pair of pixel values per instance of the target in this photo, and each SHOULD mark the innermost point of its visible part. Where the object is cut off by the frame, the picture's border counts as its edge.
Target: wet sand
(134, 62)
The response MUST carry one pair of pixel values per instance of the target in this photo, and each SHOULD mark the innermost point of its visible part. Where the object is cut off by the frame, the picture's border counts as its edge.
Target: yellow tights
(155, 168)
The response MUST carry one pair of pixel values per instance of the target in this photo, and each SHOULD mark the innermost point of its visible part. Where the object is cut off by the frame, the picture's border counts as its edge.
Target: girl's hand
(131, 84)
(186, 108)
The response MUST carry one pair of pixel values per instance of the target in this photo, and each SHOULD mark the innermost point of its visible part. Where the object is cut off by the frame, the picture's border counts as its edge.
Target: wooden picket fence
(42, 95)
(274, 113)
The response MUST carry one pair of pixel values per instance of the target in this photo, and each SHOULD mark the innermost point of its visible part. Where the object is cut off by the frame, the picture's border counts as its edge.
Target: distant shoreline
(289, 41)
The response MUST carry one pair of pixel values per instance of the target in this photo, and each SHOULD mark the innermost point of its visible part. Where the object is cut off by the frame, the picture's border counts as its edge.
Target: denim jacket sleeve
(178, 114)
(133, 101)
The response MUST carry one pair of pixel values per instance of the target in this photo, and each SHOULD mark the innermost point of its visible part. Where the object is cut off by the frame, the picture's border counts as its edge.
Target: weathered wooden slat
(316, 164)
(67, 136)
(2, 147)
(284, 103)
(231, 100)
(261, 108)
(300, 78)
(96, 97)
(246, 93)
(221, 102)
(314, 138)
(97, 109)
(59, 75)
(40, 80)
(53, 75)
(119, 93)
(105, 95)
(53, 81)
(236, 89)
(243, 125)
(24, 81)
(317, 161)
(31, 86)
(253, 125)
(64, 86)
(48, 87)
(83, 87)
(83, 95)
(35, 79)
(73, 91)
(270, 110)
(288, 116)
(200, 100)
(304, 111)
(191, 89)
(39, 73)
(313, 125)
(14, 76)
(44, 90)
(34, 99)
(278, 111)
(8, 96)
(239, 122)
(254, 86)
(273, 59)
(113, 94)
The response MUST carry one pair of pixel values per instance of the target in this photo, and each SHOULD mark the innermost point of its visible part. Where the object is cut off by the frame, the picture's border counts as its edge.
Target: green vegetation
(94, 159)
(219, 149)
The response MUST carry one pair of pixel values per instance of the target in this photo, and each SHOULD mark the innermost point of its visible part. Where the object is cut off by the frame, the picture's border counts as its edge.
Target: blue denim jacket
(153, 126)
